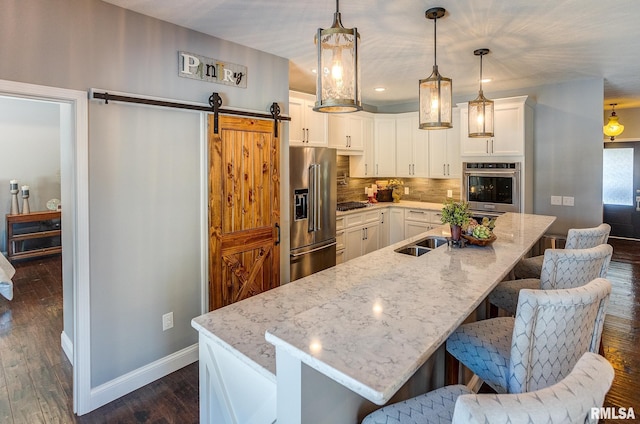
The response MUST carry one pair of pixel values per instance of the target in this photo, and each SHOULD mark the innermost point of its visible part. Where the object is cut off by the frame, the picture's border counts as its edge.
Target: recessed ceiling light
(315, 71)
(485, 80)
(379, 88)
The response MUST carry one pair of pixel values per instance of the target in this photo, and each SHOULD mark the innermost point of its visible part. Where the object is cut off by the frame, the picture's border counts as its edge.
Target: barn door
(244, 209)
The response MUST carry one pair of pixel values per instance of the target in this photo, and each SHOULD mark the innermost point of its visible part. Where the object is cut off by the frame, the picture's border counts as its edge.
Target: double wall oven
(492, 188)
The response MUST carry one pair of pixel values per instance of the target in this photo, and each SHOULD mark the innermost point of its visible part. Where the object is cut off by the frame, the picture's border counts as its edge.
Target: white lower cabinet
(361, 234)
(339, 240)
(384, 227)
(418, 221)
(396, 225)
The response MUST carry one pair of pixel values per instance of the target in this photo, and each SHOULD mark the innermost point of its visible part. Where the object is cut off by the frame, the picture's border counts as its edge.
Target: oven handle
(491, 172)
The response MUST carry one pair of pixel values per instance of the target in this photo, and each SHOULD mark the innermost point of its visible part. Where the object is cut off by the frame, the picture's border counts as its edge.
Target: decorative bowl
(480, 242)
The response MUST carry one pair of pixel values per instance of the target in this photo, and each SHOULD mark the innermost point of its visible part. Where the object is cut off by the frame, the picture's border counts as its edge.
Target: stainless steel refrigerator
(312, 177)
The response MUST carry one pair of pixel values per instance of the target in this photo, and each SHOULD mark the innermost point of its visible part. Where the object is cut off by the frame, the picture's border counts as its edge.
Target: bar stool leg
(452, 369)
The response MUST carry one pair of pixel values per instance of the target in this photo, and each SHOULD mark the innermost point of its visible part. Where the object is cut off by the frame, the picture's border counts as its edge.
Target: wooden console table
(34, 235)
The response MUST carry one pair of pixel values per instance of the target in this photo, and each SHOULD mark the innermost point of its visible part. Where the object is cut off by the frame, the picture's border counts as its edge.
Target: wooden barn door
(244, 209)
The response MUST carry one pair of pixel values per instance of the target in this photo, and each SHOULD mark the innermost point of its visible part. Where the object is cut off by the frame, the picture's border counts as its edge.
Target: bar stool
(561, 269)
(537, 348)
(569, 400)
(577, 238)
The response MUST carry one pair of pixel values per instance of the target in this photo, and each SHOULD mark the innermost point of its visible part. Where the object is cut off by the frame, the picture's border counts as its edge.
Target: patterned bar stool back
(552, 330)
(584, 238)
(567, 268)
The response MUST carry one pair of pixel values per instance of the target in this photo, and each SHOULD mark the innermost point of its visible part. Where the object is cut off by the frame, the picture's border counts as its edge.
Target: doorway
(73, 130)
(621, 188)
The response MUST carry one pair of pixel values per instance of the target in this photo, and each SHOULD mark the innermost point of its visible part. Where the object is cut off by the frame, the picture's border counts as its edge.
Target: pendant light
(338, 82)
(435, 91)
(480, 109)
(613, 127)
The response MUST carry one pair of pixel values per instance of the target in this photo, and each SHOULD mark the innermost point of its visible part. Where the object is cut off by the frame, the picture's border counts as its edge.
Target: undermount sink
(432, 242)
(422, 246)
(413, 250)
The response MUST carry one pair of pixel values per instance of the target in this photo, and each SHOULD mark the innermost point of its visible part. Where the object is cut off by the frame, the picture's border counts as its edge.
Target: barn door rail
(215, 106)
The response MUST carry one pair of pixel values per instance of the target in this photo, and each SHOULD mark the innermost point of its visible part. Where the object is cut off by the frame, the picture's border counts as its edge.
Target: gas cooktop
(347, 206)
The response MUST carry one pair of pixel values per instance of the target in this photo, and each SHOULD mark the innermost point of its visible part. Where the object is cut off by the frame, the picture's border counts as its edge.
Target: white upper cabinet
(307, 127)
(363, 166)
(384, 146)
(444, 150)
(347, 132)
(412, 145)
(510, 122)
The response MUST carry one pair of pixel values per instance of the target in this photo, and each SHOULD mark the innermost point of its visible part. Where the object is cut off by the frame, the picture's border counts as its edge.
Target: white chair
(561, 269)
(568, 401)
(577, 238)
(537, 348)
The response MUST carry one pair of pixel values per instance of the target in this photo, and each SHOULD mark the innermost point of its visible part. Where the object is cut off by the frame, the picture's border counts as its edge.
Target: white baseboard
(67, 346)
(114, 389)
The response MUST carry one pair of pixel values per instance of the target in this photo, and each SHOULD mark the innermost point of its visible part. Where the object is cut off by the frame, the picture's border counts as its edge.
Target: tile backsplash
(420, 189)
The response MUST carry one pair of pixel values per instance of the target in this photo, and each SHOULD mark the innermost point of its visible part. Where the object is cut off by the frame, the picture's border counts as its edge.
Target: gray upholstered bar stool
(568, 401)
(537, 348)
(561, 269)
(577, 238)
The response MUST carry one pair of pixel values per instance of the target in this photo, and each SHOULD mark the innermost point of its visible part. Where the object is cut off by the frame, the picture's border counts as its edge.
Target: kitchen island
(348, 338)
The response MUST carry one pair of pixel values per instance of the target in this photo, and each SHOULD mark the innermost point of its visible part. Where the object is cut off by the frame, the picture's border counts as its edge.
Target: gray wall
(29, 153)
(83, 44)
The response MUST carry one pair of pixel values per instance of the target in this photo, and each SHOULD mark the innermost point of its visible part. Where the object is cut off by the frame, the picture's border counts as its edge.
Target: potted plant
(456, 214)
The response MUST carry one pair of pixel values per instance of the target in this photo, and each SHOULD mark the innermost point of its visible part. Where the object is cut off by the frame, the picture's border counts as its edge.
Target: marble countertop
(401, 204)
(371, 322)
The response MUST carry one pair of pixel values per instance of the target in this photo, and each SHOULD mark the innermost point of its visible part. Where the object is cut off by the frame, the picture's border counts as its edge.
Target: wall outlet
(449, 193)
(365, 190)
(556, 200)
(406, 190)
(167, 321)
(567, 200)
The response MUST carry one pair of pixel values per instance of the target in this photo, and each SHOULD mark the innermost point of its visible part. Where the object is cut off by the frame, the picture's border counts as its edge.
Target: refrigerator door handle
(295, 255)
(312, 199)
(316, 220)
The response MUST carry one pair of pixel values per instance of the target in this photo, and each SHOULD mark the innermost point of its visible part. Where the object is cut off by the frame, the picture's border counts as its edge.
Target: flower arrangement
(455, 213)
(395, 182)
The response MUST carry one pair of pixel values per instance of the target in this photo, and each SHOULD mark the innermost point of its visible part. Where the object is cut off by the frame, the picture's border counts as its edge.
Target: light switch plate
(567, 200)
(449, 193)
(406, 190)
(556, 200)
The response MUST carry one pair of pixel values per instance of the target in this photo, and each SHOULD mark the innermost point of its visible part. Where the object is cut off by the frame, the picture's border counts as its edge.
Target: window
(617, 178)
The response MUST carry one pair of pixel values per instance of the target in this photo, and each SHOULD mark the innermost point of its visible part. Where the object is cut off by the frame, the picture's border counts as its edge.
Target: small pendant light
(338, 82)
(435, 91)
(613, 127)
(481, 109)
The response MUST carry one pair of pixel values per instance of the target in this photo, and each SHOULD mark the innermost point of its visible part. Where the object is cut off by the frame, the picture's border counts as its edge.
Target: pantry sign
(212, 70)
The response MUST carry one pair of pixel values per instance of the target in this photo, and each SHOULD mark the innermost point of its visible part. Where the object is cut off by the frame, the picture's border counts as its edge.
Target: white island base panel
(230, 391)
(308, 396)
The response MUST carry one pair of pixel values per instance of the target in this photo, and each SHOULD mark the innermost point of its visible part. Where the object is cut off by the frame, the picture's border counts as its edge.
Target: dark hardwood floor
(36, 379)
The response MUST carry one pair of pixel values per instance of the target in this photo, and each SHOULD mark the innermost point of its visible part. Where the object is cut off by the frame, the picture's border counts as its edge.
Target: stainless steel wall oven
(492, 186)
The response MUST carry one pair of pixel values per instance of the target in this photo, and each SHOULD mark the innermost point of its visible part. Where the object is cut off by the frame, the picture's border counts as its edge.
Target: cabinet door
(454, 161)
(355, 132)
(413, 228)
(340, 256)
(404, 147)
(396, 225)
(353, 242)
(384, 227)
(338, 131)
(437, 154)
(385, 147)
(316, 124)
(297, 130)
(508, 139)
(420, 140)
(371, 240)
(471, 146)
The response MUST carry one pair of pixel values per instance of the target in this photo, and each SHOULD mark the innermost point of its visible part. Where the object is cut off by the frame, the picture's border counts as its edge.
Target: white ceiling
(532, 42)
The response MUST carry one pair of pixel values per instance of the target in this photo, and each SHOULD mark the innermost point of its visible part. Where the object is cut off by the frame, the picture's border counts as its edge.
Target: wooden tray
(480, 242)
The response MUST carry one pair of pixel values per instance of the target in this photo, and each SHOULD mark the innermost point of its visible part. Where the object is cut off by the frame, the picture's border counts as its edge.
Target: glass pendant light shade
(480, 109)
(435, 102)
(435, 92)
(613, 127)
(337, 86)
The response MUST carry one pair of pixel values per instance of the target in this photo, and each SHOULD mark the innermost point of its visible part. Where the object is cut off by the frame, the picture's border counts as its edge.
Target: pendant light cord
(435, 43)
(481, 73)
